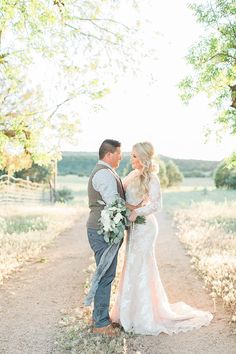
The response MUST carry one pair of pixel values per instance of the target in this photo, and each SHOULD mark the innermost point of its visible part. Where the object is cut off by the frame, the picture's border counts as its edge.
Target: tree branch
(107, 20)
(58, 106)
(89, 35)
(102, 28)
(219, 55)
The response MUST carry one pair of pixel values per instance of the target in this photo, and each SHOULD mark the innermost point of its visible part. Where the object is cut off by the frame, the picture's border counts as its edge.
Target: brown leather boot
(107, 330)
(116, 325)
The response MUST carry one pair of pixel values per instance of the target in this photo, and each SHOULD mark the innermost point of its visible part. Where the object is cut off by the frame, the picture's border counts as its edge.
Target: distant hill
(194, 168)
(82, 163)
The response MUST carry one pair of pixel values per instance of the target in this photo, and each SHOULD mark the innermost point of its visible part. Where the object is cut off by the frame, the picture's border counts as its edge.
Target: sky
(136, 110)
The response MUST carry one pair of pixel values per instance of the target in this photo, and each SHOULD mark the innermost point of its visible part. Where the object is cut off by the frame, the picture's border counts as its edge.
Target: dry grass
(208, 230)
(76, 336)
(24, 231)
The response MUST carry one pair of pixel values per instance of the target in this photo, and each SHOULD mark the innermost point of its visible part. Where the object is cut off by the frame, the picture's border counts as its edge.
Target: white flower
(117, 218)
(112, 208)
(107, 225)
(105, 220)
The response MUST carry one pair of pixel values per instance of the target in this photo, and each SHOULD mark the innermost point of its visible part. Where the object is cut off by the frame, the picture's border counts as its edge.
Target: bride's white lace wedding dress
(142, 306)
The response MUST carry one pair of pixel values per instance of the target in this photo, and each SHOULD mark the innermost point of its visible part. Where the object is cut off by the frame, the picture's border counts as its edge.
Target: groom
(104, 184)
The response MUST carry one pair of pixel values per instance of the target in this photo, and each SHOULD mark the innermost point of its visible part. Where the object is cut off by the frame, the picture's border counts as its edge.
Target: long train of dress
(142, 306)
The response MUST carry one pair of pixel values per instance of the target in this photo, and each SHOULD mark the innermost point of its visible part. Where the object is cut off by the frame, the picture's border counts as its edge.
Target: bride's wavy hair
(145, 153)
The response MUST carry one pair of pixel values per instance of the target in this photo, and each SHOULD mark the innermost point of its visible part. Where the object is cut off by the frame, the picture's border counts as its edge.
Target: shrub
(162, 173)
(225, 175)
(231, 180)
(36, 173)
(173, 174)
(22, 224)
(63, 195)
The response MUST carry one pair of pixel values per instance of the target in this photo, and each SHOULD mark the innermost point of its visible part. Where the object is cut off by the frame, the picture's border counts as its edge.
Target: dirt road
(32, 300)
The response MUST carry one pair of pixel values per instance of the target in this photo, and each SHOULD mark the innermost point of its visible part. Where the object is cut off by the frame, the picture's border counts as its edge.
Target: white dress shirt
(105, 183)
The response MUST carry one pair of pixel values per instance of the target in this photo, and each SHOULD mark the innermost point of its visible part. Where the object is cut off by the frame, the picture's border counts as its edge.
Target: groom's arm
(105, 183)
(133, 207)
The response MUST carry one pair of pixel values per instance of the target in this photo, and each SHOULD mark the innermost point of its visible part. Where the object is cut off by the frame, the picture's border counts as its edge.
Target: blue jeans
(102, 297)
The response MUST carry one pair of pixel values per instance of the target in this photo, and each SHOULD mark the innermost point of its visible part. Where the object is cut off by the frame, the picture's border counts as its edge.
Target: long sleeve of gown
(154, 203)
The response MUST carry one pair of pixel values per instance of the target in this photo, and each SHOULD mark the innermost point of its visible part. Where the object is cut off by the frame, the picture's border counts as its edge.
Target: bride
(142, 306)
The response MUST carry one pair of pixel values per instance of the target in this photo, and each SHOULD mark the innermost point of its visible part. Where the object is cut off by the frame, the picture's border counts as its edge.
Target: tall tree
(213, 59)
(85, 41)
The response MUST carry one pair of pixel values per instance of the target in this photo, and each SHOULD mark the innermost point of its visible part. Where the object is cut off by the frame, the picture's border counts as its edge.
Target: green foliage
(231, 161)
(225, 176)
(213, 60)
(76, 163)
(231, 180)
(127, 169)
(85, 41)
(38, 174)
(63, 195)
(20, 224)
(82, 163)
(194, 168)
(173, 174)
(162, 173)
(22, 125)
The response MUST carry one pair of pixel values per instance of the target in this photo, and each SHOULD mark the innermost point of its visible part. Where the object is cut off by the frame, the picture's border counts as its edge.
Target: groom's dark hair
(108, 145)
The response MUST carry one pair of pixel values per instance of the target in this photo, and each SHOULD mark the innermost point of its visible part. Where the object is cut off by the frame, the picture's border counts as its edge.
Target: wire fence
(16, 190)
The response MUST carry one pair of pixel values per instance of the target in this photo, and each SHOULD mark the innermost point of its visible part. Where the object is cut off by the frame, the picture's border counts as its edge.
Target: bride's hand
(133, 207)
(133, 216)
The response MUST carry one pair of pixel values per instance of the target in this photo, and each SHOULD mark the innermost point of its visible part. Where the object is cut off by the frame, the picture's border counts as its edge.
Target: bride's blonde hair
(145, 153)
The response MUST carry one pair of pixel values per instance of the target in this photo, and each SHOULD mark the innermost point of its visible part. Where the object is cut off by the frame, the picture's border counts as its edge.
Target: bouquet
(114, 220)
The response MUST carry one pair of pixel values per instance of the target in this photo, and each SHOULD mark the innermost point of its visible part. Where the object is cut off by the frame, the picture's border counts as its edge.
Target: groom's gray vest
(94, 196)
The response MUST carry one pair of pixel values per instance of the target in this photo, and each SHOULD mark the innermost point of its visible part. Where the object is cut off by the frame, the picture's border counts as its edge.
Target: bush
(231, 180)
(173, 174)
(36, 173)
(225, 175)
(63, 195)
(162, 173)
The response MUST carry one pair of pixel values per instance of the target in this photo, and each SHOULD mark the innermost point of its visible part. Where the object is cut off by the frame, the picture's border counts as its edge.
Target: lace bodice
(152, 202)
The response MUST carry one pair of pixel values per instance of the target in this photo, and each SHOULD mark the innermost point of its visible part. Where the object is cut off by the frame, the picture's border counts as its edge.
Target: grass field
(78, 185)
(195, 190)
(25, 230)
(190, 191)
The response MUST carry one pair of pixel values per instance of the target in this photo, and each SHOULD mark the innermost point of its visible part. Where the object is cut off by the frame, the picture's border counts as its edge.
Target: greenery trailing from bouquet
(115, 219)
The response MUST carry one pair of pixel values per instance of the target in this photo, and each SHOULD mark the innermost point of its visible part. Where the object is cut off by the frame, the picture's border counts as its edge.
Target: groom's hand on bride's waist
(133, 207)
